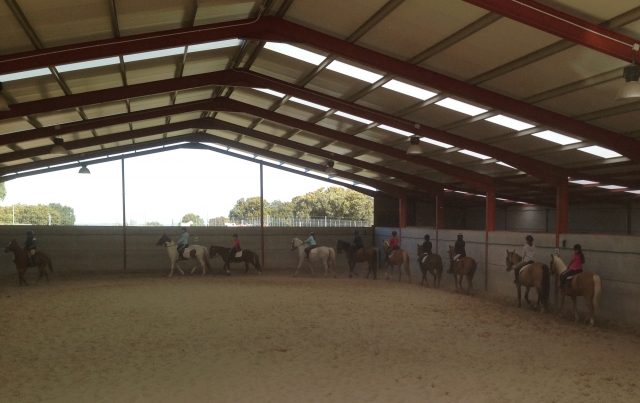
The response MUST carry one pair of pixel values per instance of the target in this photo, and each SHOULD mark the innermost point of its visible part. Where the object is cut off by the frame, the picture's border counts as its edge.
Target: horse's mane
(560, 265)
(385, 243)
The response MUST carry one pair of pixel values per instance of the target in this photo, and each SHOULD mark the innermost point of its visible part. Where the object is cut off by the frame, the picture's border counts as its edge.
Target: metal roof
(516, 95)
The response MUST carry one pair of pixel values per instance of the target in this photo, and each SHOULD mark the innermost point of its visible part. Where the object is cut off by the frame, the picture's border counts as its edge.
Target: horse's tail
(405, 257)
(332, 256)
(256, 261)
(546, 284)
(597, 292)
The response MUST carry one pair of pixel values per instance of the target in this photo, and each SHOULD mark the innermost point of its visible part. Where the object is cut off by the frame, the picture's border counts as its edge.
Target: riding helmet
(356, 232)
(394, 233)
(235, 235)
(426, 237)
(529, 238)
(460, 235)
(184, 228)
(311, 233)
(30, 232)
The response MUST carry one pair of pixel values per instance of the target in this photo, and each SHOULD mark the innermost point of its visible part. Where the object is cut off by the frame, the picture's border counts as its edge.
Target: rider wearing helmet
(312, 243)
(426, 248)
(31, 246)
(183, 243)
(459, 250)
(235, 248)
(394, 243)
(528, 256)
(356, 244)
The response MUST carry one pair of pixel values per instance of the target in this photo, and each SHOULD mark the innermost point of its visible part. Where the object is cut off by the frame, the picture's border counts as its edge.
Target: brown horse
(533, 275)
(367, 254)
(465, 266)
(432, 264)
(247, 256)
(22, 262)
(398, 258)
(585, 284)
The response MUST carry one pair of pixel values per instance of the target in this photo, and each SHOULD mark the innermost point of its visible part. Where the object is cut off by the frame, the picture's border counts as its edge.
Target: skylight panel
(218, 146)
(295, 168)
(88, 65)
(154, 54)
(310, 104)
(229, 43)
(635, 192)
(461, 107)
(612, 187)
(509, 122)
(118, 155)
(32, 170)
(177, 144)
(270, 92)
(348, 182)
(393, 129)
(522, 202)
(600, 152)
(366, 187)
(584, 182)
(295, 52)
(93, 159)
(241, 153)
(353, 71)
(320, 174)
(353, 117)
(410, 90)
(435, 142)
(481, 196)
(65, 163)
(268, 160)
(24, 74)
(504, 165)
(556, 137)
(474, 154)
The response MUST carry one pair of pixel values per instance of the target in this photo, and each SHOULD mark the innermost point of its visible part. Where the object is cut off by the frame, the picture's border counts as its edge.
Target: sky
(160, 187)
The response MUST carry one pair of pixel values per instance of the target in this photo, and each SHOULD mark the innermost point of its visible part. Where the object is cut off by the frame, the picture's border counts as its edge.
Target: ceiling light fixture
(4, 105)
(631, 88)
(84, 170)
(414, 148)
(330, 169)
(58, 148)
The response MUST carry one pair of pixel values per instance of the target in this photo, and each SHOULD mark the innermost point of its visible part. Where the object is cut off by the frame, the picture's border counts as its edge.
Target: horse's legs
(40, 275)
(399, 273)
(561, 304)
(519, 294)
(246, 266)
(203, 266)
(311, 268)
(526, 296)
(588, 297)
(470, 289)
(460, 283)
(298, 269)
(575, 306)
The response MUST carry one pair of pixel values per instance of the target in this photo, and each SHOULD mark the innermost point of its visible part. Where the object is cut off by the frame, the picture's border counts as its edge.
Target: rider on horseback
(183, 243)
(356, 244)
(575, 266)
(312, 243)
(235, 248)
(426, 248)
(31, 246)
(459, 250)
(528, 255)
(394, 244)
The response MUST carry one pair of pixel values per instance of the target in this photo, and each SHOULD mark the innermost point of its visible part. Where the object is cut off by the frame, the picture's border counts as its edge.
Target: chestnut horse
(398, 258)
(585, 284)
(22, 262)
(193, 251)
(367, 254)
(532, 275)
(246, 256)
(432, 264)
(465, 266)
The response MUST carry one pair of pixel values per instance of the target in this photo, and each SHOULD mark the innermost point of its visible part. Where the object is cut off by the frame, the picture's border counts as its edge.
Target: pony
(245, 255)
(533, 275)
(398, 258)
(432, 264)
(465, 266)
(22, 262)
(367, 254)
(322, 253)
(193, 251)
(585, 284)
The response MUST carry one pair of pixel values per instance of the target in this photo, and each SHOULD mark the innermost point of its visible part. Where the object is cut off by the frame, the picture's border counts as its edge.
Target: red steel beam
(563, 25)
(276, 29)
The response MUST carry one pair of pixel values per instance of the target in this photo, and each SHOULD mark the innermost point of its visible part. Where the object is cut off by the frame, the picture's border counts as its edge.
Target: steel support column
(262, 211)
(402, 202)
(490, 226)
(124, 219)
(562, 211)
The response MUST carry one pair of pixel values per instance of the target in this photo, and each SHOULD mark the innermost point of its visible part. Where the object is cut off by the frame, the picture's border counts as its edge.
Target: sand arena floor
(275, 338)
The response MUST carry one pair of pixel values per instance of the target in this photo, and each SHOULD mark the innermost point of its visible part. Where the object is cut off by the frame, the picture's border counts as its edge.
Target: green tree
(67, 213)
(334, 202)
(154, 224)
(279, 209)
(218, 221)
(196, 220)
(3, 191)
(249, 208)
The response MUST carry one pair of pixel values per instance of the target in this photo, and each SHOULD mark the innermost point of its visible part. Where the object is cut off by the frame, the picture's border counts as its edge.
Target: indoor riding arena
(476, 122)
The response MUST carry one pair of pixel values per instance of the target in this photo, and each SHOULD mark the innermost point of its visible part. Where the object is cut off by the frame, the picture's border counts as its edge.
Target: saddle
(524, 267)
(238, 254)
(181, 252)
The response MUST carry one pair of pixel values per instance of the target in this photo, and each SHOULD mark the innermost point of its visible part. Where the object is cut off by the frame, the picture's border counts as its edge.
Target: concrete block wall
(101, 248)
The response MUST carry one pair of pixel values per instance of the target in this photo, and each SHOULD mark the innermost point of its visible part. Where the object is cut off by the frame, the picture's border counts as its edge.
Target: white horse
(321, 253)
(197, 252)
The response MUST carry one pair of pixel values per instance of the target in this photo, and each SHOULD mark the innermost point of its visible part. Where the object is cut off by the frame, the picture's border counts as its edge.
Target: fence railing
(291, 222)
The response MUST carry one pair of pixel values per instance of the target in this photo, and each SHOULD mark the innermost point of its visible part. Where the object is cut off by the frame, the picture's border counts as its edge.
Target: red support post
(562, 211)
(490, 224)
(439, 217)
(402, 201)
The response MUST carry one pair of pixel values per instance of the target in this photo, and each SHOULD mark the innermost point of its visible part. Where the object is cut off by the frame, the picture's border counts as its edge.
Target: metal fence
(291, 222)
